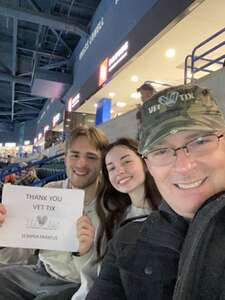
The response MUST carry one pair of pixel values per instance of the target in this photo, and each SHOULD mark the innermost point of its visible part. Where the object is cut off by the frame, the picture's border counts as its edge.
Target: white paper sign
(41, 218)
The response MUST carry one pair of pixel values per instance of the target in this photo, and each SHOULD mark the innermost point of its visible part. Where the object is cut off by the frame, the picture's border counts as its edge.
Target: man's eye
(202, 141)
(92, 157)
(74, 155)
(160, 152)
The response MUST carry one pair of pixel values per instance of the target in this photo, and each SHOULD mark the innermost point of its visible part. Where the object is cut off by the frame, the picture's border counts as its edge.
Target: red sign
(103, 71)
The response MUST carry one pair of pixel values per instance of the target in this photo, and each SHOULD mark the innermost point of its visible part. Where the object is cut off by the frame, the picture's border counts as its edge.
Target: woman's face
(125, 169)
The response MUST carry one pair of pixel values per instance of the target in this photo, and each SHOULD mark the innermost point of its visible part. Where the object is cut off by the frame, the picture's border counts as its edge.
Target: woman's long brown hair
(112, 204)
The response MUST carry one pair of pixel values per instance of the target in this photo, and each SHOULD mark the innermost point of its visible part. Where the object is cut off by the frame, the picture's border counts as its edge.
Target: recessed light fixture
(170, 53)
(121, 104)
(112, 94)
(134, 78)
(95, 105)
(135, 95)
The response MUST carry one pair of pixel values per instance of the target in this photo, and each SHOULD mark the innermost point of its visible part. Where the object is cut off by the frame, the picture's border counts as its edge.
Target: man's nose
(82, 161)
(183, 161)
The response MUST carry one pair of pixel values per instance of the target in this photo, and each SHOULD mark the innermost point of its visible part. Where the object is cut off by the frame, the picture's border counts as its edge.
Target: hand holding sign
(85, 234)
(40, 218)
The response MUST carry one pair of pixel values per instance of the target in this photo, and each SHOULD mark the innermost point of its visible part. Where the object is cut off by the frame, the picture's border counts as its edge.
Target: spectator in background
(28, 176)
(146, 90)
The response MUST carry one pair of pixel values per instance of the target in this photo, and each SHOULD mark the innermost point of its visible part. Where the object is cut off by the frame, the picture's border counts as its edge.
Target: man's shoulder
(57, 184)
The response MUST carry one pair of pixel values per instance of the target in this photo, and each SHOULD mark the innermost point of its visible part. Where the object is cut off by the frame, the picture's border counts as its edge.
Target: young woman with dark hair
(127, 192)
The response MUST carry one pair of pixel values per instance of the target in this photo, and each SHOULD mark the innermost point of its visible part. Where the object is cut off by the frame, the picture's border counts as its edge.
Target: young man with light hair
(182, 141)
(58, 273)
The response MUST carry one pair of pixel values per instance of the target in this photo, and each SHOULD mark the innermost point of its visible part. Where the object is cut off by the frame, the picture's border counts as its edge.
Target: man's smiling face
(188, 182)
(83, 163)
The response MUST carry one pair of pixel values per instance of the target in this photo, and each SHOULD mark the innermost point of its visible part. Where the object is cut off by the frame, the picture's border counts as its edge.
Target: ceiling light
(134, 78)
(112, 94)
(135, 95)
(121, 104)
(95, 105)
(170, 52)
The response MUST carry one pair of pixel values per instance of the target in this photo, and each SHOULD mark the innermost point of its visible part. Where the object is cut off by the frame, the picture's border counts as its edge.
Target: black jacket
(142, 259)
(202, 263)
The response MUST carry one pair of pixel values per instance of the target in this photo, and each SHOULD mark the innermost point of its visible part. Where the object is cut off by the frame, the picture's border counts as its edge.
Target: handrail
(191, 59)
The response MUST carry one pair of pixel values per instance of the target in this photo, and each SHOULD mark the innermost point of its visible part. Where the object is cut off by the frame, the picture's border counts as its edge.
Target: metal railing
(197, 57)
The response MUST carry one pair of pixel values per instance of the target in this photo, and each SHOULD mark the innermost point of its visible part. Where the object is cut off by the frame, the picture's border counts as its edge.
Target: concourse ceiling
(202, 20)
(36, 35)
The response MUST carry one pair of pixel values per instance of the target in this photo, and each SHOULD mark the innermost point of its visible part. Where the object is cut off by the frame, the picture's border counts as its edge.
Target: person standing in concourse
(57, 274)
(147, 91)
(182, 141)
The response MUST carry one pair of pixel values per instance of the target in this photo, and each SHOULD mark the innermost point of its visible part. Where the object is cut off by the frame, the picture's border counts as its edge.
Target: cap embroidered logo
(170, 99)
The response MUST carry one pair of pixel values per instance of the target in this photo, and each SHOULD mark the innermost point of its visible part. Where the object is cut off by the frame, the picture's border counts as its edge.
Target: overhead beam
(10, 78)
(55, 65)
(55, 22)
(29, 106)
(29, 99)
(41, 52)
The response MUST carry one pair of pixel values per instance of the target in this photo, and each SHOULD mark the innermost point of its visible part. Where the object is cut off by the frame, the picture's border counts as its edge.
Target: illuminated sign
(120, 54)
(109, 64)
(103, 71)
(56, 119)
(26, 143)
(75, 100)
(69, 105)
(92, 37)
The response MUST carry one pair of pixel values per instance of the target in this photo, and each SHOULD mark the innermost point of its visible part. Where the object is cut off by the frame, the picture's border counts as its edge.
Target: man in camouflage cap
(177, 109)
(182, 141)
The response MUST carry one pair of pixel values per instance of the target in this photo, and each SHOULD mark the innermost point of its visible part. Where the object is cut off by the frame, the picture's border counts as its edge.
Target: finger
(85, 233)
(85, 226)
(84, 219)
(2, 209)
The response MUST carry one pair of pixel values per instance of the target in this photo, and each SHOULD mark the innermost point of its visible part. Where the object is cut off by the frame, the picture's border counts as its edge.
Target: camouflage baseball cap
(184, 107)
